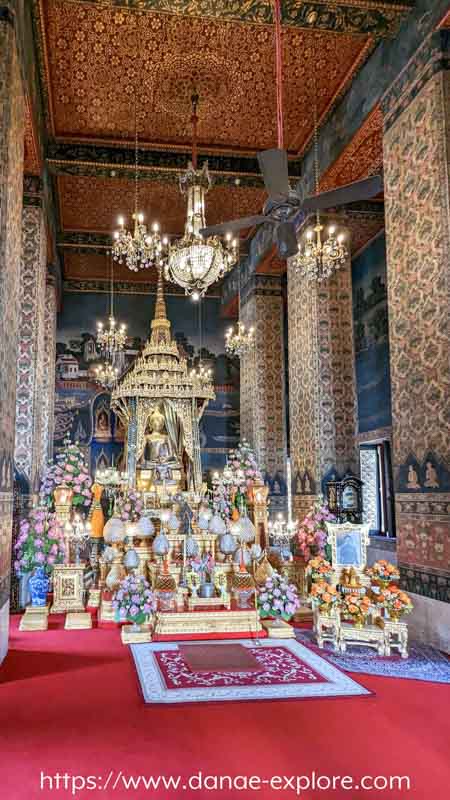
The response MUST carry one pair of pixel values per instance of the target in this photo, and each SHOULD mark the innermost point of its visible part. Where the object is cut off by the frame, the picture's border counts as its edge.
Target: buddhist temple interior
(225, 398)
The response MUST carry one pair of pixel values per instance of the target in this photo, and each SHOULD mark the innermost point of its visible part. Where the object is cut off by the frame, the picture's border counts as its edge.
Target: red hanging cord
(194, 120)
(279, 72)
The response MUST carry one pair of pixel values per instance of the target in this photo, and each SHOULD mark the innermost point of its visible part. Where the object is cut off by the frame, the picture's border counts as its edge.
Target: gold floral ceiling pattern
(96, 54)
(93, 204)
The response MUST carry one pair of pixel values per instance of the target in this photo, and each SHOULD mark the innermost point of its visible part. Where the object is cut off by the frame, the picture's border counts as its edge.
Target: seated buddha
(158, 453)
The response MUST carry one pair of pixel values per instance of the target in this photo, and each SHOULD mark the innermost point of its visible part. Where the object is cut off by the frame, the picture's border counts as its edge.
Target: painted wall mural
(82, 406)
(370, 315)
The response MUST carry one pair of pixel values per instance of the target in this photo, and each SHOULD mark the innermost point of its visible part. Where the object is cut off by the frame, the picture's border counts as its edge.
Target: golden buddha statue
(158, 449)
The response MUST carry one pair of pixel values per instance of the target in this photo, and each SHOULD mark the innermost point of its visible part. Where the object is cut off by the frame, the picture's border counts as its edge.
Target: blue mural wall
(82, 406)
(370, 314)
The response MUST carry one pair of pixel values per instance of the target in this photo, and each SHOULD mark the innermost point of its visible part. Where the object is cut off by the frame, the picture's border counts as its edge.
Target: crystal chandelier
(106, 374)
(238, 341)
(202, 374)
(194, 262)
(318, 257)
(112, 338)
(138, 249)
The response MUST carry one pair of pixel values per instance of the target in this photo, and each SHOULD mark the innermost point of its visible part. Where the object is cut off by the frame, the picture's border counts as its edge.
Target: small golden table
(396, 637)
(129, 636)
(68, 588)
(367, 636)
(78, 621)
(35, 618)
(278, 629)
(208, 622)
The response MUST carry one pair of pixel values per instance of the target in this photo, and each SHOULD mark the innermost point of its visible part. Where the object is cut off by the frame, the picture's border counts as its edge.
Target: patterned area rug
(424, 663)
(288, 670)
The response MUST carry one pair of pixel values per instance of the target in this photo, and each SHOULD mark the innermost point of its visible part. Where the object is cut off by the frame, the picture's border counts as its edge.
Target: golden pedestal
(278, 630)
(107, 612)
(35, 618)
(78, 621)
(94, 598)
(173, 623)
(128, 636)
(68, 588)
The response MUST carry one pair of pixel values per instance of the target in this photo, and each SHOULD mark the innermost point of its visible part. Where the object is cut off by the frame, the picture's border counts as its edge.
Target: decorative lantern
(192, 547)
(217, 525)
(204, 519)
(144, 528)
(161, 545)
(131, 560)
(173, 523)
(227, 544)
(114, 530)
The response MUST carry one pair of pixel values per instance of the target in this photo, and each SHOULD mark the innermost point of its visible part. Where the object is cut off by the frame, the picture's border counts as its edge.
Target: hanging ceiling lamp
(106, 374)
(111, 338)
(195, 262)
(319, 255)
(239, 341)
(138, 249)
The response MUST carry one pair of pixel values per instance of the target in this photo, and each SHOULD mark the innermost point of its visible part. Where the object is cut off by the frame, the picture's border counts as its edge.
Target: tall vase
(39, 585)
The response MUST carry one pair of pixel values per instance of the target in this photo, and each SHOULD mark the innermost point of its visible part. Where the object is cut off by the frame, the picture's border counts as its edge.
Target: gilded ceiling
(93, 204)
(97, 55)
(93, 54)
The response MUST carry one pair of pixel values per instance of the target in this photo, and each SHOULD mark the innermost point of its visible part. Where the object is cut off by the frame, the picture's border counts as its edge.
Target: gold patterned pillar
(30, 396)
(49, 357)
(322, 386)
(11, 169)
(416, 168)
(263, 391)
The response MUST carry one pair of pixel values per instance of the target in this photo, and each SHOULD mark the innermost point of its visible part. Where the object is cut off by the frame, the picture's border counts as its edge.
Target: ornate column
(48, 384)
(322, 386)
(11, 168)
(416, 168)
(30, 361)
(263, 390)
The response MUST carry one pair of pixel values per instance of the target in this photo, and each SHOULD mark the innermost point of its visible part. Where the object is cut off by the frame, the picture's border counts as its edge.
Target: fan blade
(234, 225)
(285, 238)
(360, 190)
(274, 168)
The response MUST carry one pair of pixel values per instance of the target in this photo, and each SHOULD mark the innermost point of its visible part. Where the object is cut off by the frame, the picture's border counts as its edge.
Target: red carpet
(69, 703)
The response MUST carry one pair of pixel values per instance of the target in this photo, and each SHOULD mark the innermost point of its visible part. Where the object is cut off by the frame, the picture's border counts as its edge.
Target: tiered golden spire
(160, 325)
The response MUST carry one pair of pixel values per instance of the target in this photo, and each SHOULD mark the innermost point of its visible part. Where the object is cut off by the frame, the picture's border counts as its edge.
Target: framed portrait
(348, 545)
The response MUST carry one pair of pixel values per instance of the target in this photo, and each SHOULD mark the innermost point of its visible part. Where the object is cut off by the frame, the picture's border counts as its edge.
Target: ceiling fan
(283, 204)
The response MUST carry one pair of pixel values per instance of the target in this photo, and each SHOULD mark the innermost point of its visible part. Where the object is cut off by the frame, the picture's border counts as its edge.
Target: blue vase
(38, 585)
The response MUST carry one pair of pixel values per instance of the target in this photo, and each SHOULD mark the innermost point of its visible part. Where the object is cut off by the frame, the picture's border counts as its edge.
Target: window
(376, 474)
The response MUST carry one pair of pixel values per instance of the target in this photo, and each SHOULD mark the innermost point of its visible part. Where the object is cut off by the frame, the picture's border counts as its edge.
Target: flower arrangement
(324, 596)
(69, 470)
(232, 489)
(242, 461)
(129, 506)
(355, 607)
(40, 542)
(277, 598)
(312, 532)
(134, 600)
(395, 601)
(382, 572)
(319, 569)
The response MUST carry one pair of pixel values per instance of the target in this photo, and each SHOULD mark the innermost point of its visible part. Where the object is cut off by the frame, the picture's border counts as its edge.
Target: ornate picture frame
(349, 542)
